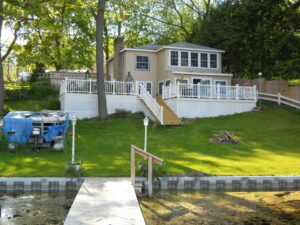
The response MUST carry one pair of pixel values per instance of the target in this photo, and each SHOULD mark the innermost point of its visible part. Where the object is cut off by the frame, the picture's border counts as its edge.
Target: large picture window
(174, 58)
(142, 63)
(194, 59)
(213, 60)
(184, 59)
(204, 60)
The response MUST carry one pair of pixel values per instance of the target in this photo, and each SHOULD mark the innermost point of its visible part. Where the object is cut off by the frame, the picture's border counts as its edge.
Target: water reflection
(35, 208)
(280, 207)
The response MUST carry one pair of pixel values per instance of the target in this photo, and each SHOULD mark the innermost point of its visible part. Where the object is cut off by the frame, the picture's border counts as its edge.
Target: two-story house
(167, 82)
(158, 65)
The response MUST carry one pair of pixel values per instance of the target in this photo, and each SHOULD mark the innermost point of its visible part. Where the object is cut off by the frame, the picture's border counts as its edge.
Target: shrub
(51, 103)
(3, 143)
(40, 90)
(16, 94)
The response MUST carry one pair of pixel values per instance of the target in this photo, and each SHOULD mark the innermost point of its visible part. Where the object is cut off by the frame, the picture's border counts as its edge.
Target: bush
(3, 143)
(51, 103)
(40, 90)
(16, 94)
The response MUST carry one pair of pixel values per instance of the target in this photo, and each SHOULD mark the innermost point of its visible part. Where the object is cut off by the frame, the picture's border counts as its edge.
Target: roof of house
(177, 45)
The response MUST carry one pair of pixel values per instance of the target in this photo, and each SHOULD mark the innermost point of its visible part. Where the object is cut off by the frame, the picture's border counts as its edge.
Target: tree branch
(17, 27)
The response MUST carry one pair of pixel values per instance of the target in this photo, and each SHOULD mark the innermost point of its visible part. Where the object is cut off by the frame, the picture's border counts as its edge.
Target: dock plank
(105, 201)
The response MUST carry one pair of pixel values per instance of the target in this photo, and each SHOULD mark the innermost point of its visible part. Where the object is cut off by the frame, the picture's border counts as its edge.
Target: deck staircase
(169, 116)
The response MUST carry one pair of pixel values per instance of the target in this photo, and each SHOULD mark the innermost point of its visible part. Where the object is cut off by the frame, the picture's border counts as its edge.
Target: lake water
(222, 208)
(44, 208)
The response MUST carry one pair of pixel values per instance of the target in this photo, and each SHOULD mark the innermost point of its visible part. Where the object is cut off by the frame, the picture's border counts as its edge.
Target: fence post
(198, 90)
(178, 90)
(218, 91)
(150, 176)
(132, 168)
(162, 115)
(279, 99)
(114, 86)
(137, 87)
(237, 92)
(90, 86)
(66, 87)
(254, 92)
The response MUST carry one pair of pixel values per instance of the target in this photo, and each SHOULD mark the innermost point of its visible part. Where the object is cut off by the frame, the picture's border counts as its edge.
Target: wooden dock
(105, 201)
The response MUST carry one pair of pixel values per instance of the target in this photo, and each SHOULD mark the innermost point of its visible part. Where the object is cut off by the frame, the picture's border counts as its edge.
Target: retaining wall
(40, 184)
(235, 183)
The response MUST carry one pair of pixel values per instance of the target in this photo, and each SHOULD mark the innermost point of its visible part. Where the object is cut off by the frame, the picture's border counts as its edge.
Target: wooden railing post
(150, 188)
(218, 91)
(178, 90)
(198, 90)
(170, 90)
(254, 93)
(279, 99)
(132, 168)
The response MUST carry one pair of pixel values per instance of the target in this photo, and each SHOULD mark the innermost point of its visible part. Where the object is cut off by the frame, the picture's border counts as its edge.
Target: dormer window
(204, 60)
(174, 58)
(194, 59)
(142, 62)
(213, 60)
(184, 59)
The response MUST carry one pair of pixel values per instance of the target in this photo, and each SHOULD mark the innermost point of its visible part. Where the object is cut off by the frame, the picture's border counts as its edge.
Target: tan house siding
(161, 70)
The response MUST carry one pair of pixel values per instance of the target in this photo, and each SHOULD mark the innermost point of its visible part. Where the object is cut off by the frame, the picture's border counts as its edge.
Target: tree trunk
(1, 66)
(102, 107)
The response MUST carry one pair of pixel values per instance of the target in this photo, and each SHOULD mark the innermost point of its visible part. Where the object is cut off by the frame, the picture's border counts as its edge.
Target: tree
(61, 35)
(257, 36)
(99, 18)
(11, 13)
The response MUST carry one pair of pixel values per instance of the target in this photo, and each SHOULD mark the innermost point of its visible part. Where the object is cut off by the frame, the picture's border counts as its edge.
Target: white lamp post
(259, 75)
(73, 139)
(146, 122)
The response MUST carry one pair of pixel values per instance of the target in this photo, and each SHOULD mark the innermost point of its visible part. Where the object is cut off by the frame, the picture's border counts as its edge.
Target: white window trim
(202, 78)
(169, 58)
(188, 80)
(135, 63)
(226, 81)
(189, 59)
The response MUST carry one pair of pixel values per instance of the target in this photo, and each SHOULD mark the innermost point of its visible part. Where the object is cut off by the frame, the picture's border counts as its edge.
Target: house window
(184, 59)
(213, 60)
(160, 85)
(149, 87)
(204, 60)
(194, 59)
(221, 82)
(174, 58)
(142, 62)
(168, 82)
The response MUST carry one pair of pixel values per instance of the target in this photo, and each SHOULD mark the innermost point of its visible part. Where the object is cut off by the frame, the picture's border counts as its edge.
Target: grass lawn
(270, 145)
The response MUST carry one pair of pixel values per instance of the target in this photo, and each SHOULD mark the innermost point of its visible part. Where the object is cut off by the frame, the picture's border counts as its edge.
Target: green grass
(270, 145)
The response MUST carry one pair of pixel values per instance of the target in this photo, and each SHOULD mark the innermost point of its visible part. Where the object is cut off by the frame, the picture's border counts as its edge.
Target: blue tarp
(22, 127)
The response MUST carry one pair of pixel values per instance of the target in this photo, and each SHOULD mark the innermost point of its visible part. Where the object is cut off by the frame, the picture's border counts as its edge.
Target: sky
(6, 34)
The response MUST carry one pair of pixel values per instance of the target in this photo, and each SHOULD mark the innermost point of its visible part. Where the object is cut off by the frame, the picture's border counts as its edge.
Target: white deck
(104, 201)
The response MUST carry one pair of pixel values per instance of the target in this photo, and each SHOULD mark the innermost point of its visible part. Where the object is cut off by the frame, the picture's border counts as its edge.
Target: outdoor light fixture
(259, 74)
(146, 123)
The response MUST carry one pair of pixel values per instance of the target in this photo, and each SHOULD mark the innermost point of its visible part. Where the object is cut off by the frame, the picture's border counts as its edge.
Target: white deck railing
(280, 99)
(221, 92)
(90, 87)
(156, 109)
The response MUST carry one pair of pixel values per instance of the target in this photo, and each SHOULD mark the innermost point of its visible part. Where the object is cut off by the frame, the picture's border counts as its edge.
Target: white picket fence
(280, 99)
(209, 92)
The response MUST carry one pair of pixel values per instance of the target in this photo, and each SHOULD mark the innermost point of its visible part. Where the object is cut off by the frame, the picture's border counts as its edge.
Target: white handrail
(222, 92)
(156, 109)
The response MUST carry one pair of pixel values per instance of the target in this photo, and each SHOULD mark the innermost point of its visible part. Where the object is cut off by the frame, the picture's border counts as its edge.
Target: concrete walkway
(105, 201)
